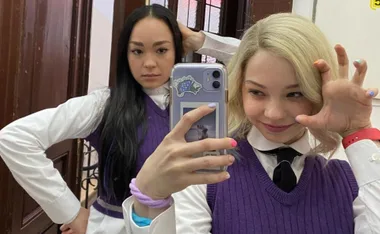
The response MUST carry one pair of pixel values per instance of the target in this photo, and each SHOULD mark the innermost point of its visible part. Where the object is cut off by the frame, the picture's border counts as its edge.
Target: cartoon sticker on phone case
(186, 84)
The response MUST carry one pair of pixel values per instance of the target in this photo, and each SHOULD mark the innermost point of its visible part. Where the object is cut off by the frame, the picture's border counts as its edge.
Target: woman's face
(272, 98)
(151, 52)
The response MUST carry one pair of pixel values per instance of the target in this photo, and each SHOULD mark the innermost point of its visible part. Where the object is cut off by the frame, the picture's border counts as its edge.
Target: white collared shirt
(23, 142)
(160, 95)
(191, 213)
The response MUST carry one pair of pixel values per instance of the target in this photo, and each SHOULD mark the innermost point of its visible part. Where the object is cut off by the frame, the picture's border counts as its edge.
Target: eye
(295, 95)
(255, 92)
(136, 52)
(162, 50)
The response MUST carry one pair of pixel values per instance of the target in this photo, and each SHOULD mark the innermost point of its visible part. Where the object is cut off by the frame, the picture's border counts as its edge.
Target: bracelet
(146, 200)
(367, 133)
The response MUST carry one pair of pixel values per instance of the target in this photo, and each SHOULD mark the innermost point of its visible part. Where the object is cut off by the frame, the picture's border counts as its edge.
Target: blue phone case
(196, 84)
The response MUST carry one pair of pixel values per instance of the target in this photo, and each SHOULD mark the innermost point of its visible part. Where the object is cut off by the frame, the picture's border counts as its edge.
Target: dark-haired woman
(124, 124)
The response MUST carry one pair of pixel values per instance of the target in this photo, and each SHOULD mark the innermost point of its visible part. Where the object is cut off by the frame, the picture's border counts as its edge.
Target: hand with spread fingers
(171, 167)
(347, 106)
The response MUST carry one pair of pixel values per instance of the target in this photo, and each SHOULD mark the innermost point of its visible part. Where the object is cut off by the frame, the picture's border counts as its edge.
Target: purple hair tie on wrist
(146, 200)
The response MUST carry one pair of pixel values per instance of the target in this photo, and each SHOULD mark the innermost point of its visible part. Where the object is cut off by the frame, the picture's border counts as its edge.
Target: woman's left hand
(79, 224)
(347, 106)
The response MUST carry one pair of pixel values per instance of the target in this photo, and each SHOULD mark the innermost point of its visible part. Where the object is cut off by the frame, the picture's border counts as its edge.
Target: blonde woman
(285, 82)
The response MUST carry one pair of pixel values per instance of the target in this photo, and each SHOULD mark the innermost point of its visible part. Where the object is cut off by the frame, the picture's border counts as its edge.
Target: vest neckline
(272, 189)
(157, 109)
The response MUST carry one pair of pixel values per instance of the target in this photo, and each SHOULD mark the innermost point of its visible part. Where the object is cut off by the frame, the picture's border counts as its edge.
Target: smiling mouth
(276, 128)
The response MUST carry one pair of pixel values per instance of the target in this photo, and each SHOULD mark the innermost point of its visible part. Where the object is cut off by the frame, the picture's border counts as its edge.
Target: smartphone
(196, 84)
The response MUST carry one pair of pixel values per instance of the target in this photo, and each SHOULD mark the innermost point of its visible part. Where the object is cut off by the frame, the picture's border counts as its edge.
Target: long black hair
(124, 113)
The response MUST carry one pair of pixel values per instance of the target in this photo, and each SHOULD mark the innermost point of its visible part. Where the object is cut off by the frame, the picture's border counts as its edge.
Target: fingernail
(233, 143)
(212, 105)
(371, 93)
(358, 61)
(228, 175)
(316, 62)
(231, 159)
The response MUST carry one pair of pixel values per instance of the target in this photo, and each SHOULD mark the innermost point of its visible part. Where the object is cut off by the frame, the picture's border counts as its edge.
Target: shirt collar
(160, 95)
(162, 90)
(259, 142)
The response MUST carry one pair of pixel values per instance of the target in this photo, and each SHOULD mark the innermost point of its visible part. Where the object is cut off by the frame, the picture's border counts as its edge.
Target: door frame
(14, 102)
(121, 10)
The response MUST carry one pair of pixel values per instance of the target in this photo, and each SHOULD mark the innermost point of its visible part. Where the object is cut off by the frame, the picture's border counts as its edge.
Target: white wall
(376, 114)
(303, 7)
(100, 47)
(101, 35)
(355, 25)
(100, 51)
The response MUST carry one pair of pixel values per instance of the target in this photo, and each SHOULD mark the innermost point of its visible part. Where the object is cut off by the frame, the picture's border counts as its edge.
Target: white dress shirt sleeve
(194, 197)
(190, 212)
(164, 223)
(23, 144)
(221, 48)
(364, 157)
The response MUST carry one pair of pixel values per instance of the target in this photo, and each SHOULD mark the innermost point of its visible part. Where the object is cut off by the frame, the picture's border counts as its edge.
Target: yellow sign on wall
(375, 4)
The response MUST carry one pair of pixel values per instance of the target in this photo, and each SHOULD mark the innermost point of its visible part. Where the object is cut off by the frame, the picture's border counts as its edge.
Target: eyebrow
(157, 43)
(263, 87)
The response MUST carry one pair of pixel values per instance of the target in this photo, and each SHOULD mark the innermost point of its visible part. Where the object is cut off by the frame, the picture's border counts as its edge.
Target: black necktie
(283, 175)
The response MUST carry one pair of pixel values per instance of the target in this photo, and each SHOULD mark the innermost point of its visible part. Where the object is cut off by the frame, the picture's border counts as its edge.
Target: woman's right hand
(171, 168)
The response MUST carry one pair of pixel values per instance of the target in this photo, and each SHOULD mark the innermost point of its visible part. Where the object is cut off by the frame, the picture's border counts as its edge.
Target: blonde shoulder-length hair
(299, 41)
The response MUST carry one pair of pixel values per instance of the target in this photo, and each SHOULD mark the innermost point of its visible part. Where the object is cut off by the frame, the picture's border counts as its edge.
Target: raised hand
(347, 106)
(192, 41)
(171, 168)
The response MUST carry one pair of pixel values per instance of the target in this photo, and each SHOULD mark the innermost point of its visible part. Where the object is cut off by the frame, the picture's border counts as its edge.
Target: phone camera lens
(216, 84)
(216, 74)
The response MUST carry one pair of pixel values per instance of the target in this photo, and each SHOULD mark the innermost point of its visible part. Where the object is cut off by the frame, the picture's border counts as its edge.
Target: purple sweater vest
(158, 127)
(249, 202)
